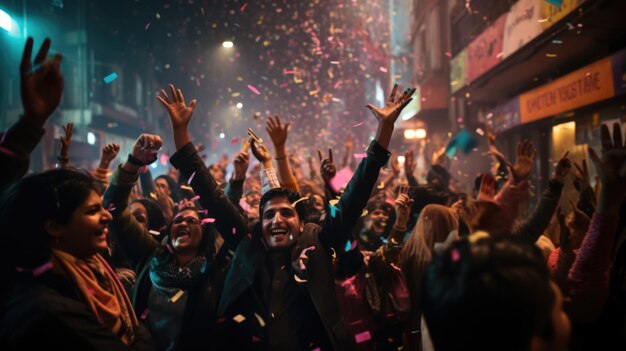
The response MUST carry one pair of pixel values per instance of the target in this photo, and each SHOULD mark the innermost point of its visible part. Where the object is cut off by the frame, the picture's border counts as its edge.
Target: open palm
(180, 113)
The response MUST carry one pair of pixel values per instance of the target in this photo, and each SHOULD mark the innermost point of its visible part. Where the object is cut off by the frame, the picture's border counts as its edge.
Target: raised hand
(487, 190)
(241, 163)
(524, 161)
(261, 153)
(41, 85)
(563, 166)
(66, 141)
(409, 163)
(109, 152)
(146, 148)
(403, 210)
(581, 176)
(180, 113)
(278, 133)
(611, 169)
(389, 113)
(328, 170)
(491, 142)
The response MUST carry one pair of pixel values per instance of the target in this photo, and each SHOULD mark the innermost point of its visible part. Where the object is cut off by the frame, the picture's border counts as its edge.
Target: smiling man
(279, 292)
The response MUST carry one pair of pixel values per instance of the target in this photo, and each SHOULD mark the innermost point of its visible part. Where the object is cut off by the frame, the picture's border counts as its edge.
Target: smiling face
(281, 223)
(186, 232)
(379, 219)
(85, 234)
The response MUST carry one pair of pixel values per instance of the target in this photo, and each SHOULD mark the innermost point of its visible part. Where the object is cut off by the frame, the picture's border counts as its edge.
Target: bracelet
(279, 158)
(135, 161)
(399, 228)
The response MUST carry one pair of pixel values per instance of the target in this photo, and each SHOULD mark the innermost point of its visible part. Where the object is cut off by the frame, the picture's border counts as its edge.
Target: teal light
(5, 21)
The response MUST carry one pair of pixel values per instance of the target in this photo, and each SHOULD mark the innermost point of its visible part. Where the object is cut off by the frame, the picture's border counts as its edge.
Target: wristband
(135, 161)
(279, 158)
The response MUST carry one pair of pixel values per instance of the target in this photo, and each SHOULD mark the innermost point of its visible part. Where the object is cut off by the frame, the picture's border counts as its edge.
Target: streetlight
(5, 21)
(228, 44)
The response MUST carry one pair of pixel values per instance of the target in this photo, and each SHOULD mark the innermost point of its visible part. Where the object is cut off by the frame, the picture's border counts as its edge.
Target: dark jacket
(237, 296)
(47, 312)
(141, 249)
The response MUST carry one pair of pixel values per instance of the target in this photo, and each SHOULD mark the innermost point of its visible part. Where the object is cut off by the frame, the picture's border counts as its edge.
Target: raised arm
(228, 220)
(136, 242)
(337, 229)
(41, 89)
(66, 142)
(278, 133)
(109, 152)
(540, 218)
(234, 188)
(588, 278)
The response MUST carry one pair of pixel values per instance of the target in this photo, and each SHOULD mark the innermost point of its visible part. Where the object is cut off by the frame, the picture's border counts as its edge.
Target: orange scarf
(102, 291)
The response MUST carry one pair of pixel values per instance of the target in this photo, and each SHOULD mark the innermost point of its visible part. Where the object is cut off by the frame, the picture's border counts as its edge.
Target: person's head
(280, 221)
(578, 223)
(378, 212)
(253, 197)
(438, 177)
(58, 209)
(187, 234)
(168, 185)
(493, 294)
(217, 172)
(148, 213)
(436, 228)
(314, 208)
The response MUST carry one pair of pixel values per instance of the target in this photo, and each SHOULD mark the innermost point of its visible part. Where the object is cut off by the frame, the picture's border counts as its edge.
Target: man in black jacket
(279, 293)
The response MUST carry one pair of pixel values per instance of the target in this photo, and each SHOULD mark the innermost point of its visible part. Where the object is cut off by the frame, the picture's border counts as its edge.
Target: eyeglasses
(190, 220)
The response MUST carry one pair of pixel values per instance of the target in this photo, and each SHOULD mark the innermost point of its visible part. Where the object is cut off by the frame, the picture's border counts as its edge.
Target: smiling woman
(61, 290)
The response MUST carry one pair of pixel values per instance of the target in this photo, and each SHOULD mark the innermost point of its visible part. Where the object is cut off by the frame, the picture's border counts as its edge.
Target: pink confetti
(154, 232)
(361, 155)
(235, 141)
(455, 255)
(147, 25)
(448, 53)
(383, 69)
(195, 198)
(396, 267)
(111, 207)
(358, 125)
(205, 211)
(303, 253)
(42, 269)
(234, 230)
(6, 151)
(208, 220)
(254, 90)
(145, 313)
(363, 337)
(243, 7)
(334, 62)
(191, 178)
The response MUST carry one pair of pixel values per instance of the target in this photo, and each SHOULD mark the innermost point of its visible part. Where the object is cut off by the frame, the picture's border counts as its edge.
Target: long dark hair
(27, 204)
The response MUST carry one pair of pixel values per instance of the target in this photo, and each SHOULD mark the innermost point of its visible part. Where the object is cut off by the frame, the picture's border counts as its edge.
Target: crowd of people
(271, 258)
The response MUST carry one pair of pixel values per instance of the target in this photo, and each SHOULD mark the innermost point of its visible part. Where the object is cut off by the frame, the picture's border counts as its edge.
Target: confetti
(383, 69)
(204, 265)
(111, 77)
(303, 253)
(455, 256)
(145, 314)
(299, 200)
(361, 155)
(448, 53)
(207, 220)
(169, 248)
(261, 321)
(550, 55)
(234, 230)
(195, 198)
(363, 337)
(358, 125)
(147, 25)
(243, 7)
(298, 279)
(239, 318)
(333, 211)
(177, 296)
(191, 178)
(350, 245)
(111, 207)
(154, 232)
(254, 90)
(6, 151)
